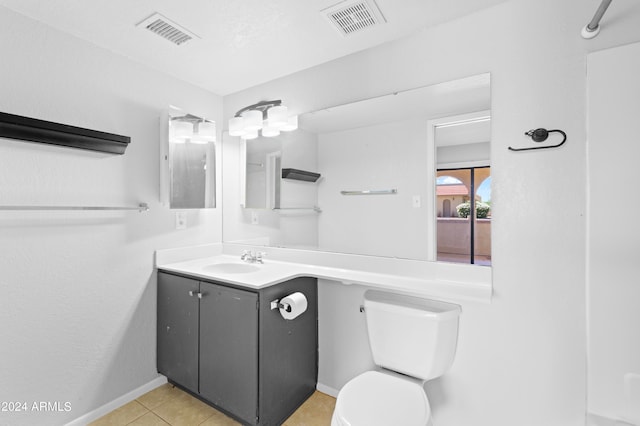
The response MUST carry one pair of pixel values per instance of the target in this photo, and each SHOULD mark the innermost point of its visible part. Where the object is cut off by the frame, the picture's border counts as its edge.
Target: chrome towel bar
(371, 192)
(142, 207)
(315, 209)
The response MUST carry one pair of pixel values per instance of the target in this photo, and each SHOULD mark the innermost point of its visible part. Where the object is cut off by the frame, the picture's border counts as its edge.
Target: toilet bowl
(382, 398)
(412, 340)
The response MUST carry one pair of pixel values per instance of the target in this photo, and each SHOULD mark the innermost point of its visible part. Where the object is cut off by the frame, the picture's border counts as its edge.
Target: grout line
(211, 416)
(163, 420)
(158, 414)
(143, 414)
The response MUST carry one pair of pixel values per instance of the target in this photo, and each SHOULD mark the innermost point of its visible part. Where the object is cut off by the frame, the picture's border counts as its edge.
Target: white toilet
(413, 340)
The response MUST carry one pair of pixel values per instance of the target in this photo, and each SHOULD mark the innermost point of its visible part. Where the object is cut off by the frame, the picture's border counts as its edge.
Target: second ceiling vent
(350, 17)
(167, 29)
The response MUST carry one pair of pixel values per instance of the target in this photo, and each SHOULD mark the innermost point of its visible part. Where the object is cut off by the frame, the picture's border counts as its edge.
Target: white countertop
(264, 275)
(222, 263)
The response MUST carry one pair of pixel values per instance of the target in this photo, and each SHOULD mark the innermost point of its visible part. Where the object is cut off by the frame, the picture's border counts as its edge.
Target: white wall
(614, 234)
(465, 153)
(384, 156)
(77, 289)
(521, 359)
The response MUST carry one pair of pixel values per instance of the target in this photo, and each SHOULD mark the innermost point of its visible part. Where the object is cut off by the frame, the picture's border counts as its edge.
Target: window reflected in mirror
(463, 189)
(464, 221)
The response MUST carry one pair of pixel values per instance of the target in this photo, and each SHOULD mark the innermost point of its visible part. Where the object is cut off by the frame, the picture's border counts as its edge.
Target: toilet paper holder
(275, 304)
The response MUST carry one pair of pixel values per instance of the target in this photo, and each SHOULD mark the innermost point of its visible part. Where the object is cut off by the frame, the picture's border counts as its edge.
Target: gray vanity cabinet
(228, 347)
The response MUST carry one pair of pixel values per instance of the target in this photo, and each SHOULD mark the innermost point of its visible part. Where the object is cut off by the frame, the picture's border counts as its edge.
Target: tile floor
(168, 405)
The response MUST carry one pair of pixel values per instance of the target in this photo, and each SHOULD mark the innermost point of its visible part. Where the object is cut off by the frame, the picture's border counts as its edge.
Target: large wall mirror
(187, 161)
(383, 177)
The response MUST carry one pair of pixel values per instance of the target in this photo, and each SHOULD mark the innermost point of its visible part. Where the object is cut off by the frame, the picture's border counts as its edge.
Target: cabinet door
(229, 349)
(288, 351)
(178, 329)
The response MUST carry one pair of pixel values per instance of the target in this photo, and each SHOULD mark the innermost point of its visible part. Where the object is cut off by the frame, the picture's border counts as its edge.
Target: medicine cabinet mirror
(188, 161)
(376, 164)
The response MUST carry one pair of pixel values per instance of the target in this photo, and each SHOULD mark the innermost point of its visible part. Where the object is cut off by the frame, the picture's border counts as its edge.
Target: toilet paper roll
(294, 305)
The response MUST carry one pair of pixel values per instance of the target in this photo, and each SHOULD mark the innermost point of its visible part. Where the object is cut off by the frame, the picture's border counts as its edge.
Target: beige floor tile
(316, 411)
(184, 410)
(122, 416)
(172, 406)
(220, 419)
(149, 419)
(159, 396)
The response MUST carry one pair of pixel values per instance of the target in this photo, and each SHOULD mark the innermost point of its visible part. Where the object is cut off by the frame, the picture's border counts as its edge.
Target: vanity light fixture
(267, 117)
(193, 129)
(181, 131)
(206, 132)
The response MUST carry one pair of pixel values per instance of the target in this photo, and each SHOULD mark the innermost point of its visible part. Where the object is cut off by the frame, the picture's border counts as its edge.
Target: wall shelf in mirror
(303, 175)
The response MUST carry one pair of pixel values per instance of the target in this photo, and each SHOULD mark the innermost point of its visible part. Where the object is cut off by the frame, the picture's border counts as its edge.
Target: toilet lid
(375, 398)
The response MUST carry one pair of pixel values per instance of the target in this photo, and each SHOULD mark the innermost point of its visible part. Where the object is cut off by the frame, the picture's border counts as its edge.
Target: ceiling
(465, 95)
(239, 43)
(443, 100)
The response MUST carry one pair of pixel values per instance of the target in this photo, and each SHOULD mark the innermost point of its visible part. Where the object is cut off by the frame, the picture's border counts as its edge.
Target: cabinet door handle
(193, 293)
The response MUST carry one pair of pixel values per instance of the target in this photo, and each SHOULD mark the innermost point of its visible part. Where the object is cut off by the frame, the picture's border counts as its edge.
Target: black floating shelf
(34, 130)
(296, 174)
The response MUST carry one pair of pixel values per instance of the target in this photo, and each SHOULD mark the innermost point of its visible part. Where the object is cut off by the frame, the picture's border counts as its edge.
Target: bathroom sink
(231, 268)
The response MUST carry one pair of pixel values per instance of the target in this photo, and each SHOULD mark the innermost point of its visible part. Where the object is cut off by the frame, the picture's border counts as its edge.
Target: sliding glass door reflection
(464, 215)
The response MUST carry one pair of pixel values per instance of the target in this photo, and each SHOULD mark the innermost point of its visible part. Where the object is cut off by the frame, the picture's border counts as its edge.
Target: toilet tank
(411, 335)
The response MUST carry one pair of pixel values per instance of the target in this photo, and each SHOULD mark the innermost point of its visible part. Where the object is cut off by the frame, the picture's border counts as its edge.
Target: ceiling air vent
(350, 17)
(167, 29)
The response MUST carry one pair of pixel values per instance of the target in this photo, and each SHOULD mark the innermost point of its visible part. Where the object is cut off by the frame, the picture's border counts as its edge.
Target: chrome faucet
(251, 257)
